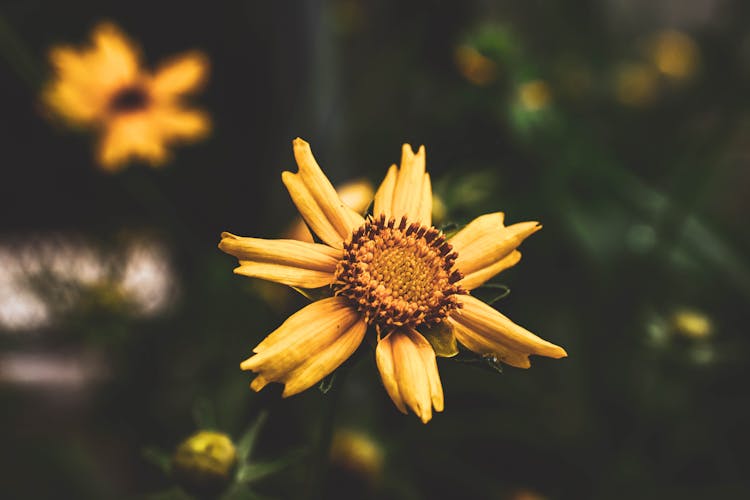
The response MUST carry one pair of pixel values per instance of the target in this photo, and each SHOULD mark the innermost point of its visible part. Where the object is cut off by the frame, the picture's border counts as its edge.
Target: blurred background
(622, 125)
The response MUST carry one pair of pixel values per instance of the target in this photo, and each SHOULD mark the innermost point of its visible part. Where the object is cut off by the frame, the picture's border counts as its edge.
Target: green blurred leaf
(248, 473)
(157, 457)
(247, 441)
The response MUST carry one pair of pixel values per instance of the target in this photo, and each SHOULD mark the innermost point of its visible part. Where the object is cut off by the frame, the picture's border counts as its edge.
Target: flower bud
(204, 462)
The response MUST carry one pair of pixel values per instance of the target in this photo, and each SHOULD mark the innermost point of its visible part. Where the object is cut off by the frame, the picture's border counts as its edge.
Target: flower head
(391, 273)
(137, 113)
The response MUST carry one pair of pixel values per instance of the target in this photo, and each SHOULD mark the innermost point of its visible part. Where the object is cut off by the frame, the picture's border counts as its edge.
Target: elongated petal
(308, 346)
(316, 199)
(485, 345)
(409, 371)
(485, 241)
(477, 278)
(425, 206)
(482, 327)
(184, 124)
(409, 189)
(289, 262)
(384, 194)
(180, 75)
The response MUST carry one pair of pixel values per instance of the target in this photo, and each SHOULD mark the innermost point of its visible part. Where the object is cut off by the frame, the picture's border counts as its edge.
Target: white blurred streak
(43, 276)
(49, 370)
(147, 279)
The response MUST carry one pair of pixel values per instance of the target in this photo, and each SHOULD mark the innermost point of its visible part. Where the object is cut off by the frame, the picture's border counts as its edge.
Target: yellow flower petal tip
(137, 113)
(393, 274)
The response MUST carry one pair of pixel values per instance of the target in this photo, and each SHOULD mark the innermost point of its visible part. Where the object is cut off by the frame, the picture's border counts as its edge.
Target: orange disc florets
(398, 274)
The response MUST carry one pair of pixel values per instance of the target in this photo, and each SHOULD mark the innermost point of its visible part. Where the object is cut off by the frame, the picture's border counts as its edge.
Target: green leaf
(248, 473)
(157, 457)
(247, 441)
(313, 294)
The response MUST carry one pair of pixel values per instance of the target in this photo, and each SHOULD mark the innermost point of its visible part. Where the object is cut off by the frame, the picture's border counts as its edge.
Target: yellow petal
(317, 201)
(180, 75)
(485, 241)
(173, 122)
(484, 345)
(356, 194)
(384, 195)
(308, 346)
(408, 193)
(128, 136)
(409, 371)
(114, 61)
(477, 278)
(498, 331)
(285, 275)
(425, 206)
(289, 262)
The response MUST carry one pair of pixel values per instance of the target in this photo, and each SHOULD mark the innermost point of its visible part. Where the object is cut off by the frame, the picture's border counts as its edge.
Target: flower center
(131, 98)
(398, 274)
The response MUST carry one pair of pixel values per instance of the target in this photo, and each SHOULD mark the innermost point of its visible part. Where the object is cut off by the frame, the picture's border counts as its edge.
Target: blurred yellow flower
(357, 452)
(692, 323)
(475, 67)
(393, 272)
(137, 113)
(534, 95)
(674, 54)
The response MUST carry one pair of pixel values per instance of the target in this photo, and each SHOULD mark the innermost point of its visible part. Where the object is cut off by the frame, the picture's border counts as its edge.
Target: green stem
(319, 459)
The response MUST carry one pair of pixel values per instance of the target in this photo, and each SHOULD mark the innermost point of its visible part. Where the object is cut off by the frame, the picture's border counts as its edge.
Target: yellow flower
(137, 113)
(392, 271)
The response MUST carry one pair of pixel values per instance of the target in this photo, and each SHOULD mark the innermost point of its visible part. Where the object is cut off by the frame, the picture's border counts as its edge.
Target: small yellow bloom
(137, 113)
(392, 272)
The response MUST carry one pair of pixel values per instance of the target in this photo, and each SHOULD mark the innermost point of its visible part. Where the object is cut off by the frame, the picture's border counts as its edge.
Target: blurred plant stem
(316, 479)
(18, 55)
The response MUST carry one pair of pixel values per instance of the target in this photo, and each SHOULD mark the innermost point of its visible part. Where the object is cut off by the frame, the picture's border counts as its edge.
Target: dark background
(643, 195)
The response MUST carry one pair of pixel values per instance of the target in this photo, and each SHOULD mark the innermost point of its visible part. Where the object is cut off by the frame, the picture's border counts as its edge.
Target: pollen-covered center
(398, 274)
(131, 98)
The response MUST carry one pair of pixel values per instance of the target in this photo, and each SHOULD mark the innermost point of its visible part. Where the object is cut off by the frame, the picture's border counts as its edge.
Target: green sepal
(442, 339)
(314, 294)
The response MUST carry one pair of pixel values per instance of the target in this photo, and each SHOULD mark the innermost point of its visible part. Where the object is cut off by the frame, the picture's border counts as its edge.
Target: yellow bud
(356, 452)
(204, 462)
